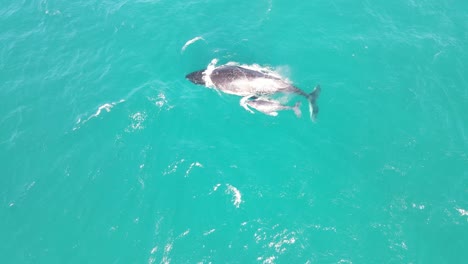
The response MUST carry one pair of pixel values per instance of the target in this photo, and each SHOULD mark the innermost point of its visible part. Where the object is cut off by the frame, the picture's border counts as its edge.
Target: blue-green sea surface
(109, 155)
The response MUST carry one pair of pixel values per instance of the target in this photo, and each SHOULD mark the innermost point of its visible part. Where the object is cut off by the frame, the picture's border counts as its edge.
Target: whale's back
(237, 80)
(231, 73)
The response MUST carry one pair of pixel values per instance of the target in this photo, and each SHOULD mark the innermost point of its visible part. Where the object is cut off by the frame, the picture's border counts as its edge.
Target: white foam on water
(153, 250)
(194, 164)
(209, 232)
(30, 185)
(106, 107)
(184, 234)
(152, 259)
(462, 212)
(161, 102)
(324, 228)
(236, 195)
(269, 260)
(53, 13)
(167, 251)
(215, 188)
(173, 167)
(420, 206)
(138, 119)
(284, 71)
(207, 73)
(260, 235)
(272, 237)
(280, 239)
(190, 42)
(404, 246)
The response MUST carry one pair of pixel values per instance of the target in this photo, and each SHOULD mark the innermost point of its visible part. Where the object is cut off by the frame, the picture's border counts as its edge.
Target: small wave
(107, 107)
(236, 195)
(190, 42)
(194, 164)
(209, 232)
(154, 249)
(184, 234)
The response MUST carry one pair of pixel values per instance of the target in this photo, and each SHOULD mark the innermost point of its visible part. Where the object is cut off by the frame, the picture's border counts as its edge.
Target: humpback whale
(251, 83)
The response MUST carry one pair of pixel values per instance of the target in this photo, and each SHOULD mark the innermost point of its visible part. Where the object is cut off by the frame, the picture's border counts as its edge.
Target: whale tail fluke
(297, 110)
(313, 107)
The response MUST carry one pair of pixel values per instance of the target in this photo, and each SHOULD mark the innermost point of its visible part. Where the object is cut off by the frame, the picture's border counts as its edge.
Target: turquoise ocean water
(109, 155)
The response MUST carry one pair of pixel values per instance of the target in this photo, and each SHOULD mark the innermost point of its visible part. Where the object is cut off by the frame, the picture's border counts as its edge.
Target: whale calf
(250, 82)
(268, 106)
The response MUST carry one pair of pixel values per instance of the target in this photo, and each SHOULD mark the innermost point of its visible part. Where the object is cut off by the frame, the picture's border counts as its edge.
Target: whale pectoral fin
(243, 103)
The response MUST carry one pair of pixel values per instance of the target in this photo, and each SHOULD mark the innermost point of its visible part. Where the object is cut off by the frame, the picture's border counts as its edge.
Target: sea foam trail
(190, 42)
(107, 107)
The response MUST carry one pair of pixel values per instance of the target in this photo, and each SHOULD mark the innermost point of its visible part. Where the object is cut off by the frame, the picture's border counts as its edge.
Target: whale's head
(196, 77)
